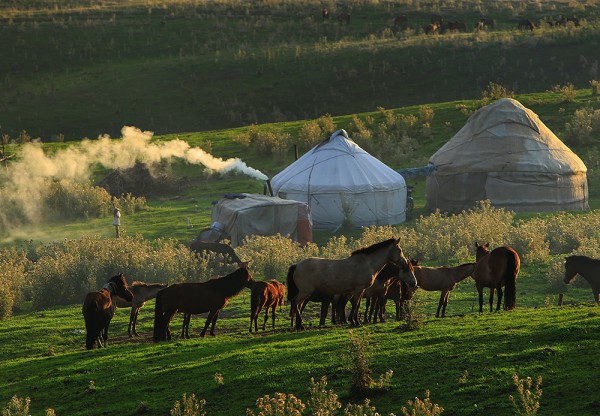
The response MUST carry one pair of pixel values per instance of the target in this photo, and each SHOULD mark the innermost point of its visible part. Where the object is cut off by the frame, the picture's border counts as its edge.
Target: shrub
(322, 402)
(495, 91)
(527, 402)
(423, 407)
(189, 406)
(17, 407)
(15, 286)
(555, 275)
(595, 84)
(528, 237)
(359, 357)
(427, 114)
(279, 404)
(567, 91)
(583, 126)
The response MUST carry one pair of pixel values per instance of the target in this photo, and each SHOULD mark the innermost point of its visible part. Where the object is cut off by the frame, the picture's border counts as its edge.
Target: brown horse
(443, 279)
(196, 298)
(142, 292)
(525, 24)
(495, 269)
(375, 294)
(350, 275)
(400, 294)
(265, 295)
(325, 301)
(99, 308)
(587, 268)
(431, 28)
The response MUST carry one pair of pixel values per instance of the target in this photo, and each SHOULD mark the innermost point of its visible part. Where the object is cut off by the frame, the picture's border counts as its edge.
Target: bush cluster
(583, 127)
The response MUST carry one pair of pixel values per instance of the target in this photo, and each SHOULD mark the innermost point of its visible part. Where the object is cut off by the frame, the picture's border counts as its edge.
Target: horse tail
(292, 289)
(510, 279)
(158, 314)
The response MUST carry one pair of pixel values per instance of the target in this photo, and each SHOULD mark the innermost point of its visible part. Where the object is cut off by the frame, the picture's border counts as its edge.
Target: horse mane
(374, 247)
(227, 286)
(581, 257)
(144, 284)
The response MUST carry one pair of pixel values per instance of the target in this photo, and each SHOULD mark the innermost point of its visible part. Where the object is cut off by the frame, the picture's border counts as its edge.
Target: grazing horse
(196, 298)
(350, 275)
(265, 295)
(226, 250)
(455, 26)
(485, 22)
(431, 28)
(494, 269)
(525, 24)
(587, 268)
(99, 308)
(437, 19)
(344, 18)
(142, 292)
(443, 279)
(400, 21)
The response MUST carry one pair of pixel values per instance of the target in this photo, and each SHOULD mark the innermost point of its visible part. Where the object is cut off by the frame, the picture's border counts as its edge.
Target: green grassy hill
(82, 69)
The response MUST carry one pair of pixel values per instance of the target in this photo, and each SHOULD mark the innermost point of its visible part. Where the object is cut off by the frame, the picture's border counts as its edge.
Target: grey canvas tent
(506, 154)
(240, 215)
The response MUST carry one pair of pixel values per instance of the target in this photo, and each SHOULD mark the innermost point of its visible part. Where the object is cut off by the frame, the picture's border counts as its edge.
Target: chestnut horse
(196, 298)
(99, 308)
(443, 279)
(265, 295)
(587, 268)
(142, 292)
(495, 269)
(375, 294)
(350, 275)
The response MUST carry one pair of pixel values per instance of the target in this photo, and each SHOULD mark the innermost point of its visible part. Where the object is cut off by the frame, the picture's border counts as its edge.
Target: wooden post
(560, 299)
(117, 220)
(117, 230)
(295, 152)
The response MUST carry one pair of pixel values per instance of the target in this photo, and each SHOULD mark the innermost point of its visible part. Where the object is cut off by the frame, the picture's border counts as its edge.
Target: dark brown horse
(526, 24)
(375, 294)
(265, 295)
(142, 292)
(495, 269)
(350, 275)
(431, 28)
(587, 268)
(99, 308)
(324, 300)
(196, 298)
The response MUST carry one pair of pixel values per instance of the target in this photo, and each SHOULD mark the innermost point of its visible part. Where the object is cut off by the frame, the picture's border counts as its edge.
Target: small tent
(505, 153)
(343, 185)
(240, 215)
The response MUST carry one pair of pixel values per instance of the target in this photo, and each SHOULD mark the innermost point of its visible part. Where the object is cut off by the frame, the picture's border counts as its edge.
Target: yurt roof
(337, 165)
(506, 136)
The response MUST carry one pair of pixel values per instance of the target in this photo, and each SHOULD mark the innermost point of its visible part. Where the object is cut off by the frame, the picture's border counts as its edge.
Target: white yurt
(343, 185)
(506, 154)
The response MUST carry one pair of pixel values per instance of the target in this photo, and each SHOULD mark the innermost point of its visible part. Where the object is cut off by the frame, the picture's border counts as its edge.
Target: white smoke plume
(25, 182)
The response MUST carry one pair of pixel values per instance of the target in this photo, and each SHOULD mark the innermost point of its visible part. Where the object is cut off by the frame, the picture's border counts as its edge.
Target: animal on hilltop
(265, 295)
(437, 19)
(142, 292)
(205, 247)
(485, 23)
(431, 28)
(496, 269)
(195, 298)
(586, 267)
(350, 275)
(325, 14)
(526, 24)
(99, 308)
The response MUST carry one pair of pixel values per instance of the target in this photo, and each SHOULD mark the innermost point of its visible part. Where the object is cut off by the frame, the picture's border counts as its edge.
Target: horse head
(248, 280)
(570, 271)
(481, 250)
(121, 288)
(407, 271)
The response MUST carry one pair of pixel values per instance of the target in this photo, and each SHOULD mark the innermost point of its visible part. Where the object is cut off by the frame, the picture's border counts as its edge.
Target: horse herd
(377, 273)
(438, 25)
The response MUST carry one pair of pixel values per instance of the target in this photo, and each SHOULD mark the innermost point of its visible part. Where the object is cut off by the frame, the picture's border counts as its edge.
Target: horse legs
(132, 321)
(185, 329)
(266, 318)
(480, 293)
(355, 302)
(500, 293)
(273, 316)
(105, 333)
(441, 304)
(368, 311)
(214, 321)
(296, 304)
(324, 310)
(492, 299)
(445, 304)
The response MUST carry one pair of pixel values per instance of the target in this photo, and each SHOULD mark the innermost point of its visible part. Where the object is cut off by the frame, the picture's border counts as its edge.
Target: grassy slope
(177, 68)
(465, 360)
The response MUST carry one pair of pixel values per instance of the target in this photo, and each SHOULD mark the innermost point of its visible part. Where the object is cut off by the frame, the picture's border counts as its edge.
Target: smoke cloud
(23, 185)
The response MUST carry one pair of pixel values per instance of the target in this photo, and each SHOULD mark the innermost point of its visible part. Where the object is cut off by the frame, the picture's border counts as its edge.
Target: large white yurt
(343, 185)
(506, 154)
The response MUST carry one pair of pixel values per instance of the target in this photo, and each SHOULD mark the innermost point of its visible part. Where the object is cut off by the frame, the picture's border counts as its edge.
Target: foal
(265, 295)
